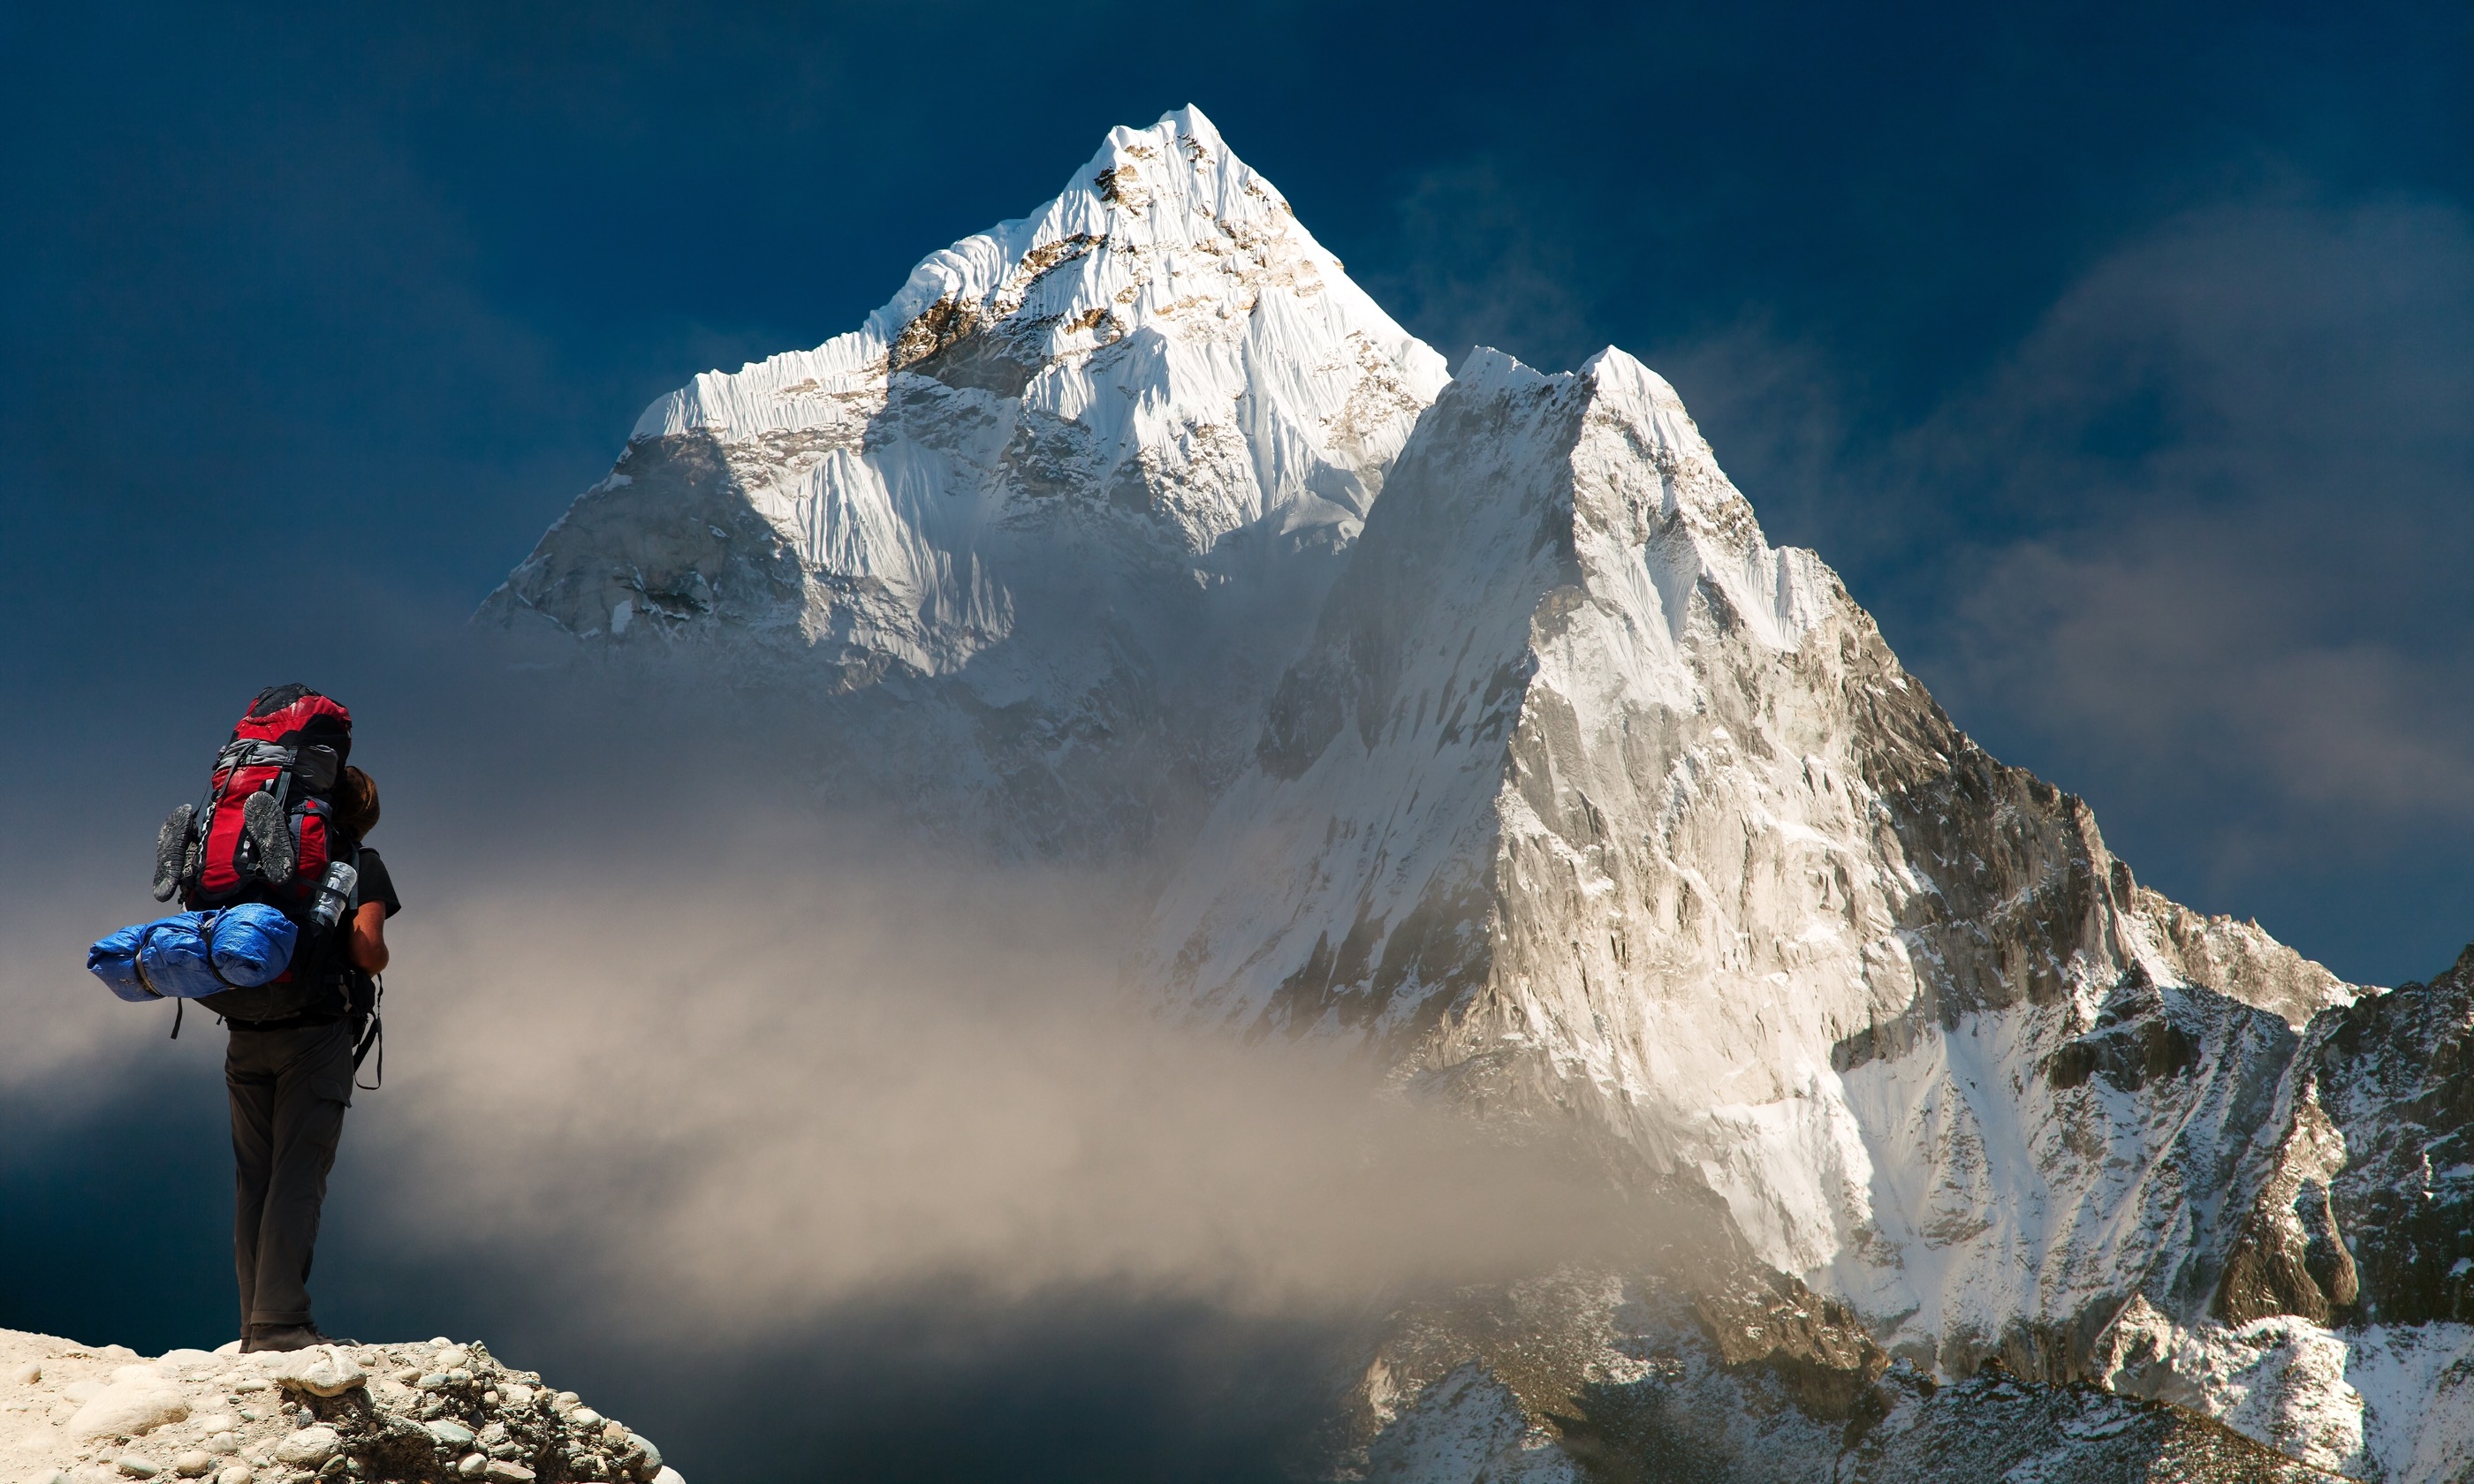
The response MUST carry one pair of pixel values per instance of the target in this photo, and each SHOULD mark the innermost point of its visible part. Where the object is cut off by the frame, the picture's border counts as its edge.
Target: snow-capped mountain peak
(1097, 461)
(1533, 773)
(1167, 276)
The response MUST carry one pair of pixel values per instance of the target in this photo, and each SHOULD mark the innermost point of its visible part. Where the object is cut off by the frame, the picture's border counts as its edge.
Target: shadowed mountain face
(1489, 739)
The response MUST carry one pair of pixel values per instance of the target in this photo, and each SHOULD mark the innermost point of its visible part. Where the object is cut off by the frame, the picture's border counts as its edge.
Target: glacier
(1480, 733)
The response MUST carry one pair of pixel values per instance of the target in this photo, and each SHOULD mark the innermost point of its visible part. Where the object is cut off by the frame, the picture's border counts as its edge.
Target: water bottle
(334, 892)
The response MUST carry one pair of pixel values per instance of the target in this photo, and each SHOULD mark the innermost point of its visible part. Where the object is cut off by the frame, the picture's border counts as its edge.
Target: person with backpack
(278, 843)
(290, 1076)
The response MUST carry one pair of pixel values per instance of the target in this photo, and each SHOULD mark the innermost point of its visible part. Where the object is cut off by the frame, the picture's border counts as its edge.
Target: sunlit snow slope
(1589, 808)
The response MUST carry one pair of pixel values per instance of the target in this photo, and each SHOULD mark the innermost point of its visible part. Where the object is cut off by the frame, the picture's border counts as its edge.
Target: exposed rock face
(2338, 1325)
(1061, 510)
(2386, 1214)
(1994, 1427)
(1580, 1379)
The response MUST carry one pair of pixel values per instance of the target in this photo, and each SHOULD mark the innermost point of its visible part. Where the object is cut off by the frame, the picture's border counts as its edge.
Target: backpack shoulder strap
(373, 1035)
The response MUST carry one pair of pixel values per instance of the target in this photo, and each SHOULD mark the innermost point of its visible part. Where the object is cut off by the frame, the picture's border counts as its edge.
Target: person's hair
(356, 803)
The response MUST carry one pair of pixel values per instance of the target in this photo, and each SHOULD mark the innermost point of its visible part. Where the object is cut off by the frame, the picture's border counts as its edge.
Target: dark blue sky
(2120, 357)
(2117, 355)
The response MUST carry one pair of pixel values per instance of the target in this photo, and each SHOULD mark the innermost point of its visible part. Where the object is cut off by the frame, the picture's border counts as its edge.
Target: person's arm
(369, 938)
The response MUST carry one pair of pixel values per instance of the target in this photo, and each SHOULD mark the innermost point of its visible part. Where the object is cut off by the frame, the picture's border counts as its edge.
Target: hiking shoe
(288, 1337)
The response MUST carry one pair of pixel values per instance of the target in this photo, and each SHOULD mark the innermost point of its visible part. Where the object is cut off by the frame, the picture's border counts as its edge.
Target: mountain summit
(1073, 495)
(1485, 735)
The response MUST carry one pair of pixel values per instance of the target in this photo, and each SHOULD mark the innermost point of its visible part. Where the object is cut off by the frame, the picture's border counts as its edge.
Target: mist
(692, 1091)
(763, 1089)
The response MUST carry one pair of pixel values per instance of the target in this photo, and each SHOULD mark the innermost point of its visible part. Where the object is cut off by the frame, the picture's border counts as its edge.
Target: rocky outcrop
(439, 1413)
(1580, 1379)
(1992, 1426)
(2388, 1218)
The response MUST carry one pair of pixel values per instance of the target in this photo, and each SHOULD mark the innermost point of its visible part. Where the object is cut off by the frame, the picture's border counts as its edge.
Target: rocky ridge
(431, 1413)
(1590, 812)
(1695, 1388)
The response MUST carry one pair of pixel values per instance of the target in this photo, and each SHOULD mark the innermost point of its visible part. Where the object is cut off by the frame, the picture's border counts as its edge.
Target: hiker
(284, 936)
(290, 1076)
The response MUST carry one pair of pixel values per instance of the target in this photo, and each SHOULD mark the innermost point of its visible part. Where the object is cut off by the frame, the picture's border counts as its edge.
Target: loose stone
(234, 1475)
(501, 1472)
(308, 1447)
(138, 1401)
(321, 1369)
(193, 1464)
(29, 1373)
(586, 1418)
(137, 1468)
(472, 1466)
(452, 1434)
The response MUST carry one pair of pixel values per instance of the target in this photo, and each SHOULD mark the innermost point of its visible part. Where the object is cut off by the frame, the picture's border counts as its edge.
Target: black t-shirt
(376, 885)
(333, 995)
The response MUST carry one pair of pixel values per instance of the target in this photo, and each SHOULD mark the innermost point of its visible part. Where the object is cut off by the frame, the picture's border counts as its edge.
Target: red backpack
(264, 832)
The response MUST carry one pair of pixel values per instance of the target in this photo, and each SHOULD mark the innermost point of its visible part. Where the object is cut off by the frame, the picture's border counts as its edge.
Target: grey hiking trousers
(289, 1090)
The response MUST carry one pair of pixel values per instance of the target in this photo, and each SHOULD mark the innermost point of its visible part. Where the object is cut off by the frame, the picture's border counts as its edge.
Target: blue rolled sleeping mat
(192, 954)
